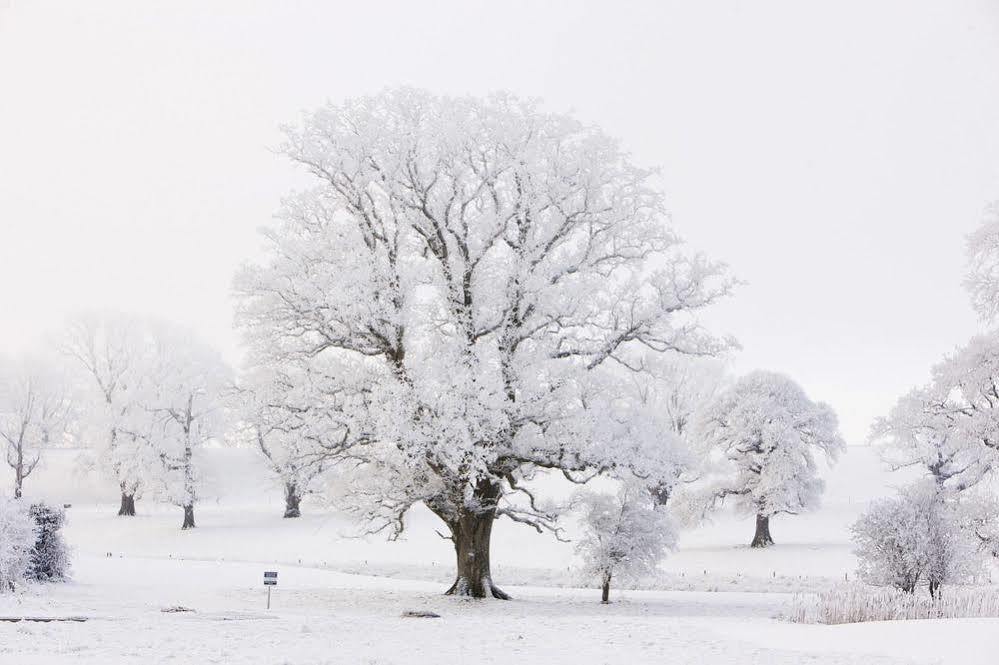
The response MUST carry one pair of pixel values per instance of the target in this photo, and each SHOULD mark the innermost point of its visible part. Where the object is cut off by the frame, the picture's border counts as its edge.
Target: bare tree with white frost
(293, 424)
(468, 271)
(181, 402)
(768, 431)
(112, 352)
(677, 389)
(625, 536)
(36, 412)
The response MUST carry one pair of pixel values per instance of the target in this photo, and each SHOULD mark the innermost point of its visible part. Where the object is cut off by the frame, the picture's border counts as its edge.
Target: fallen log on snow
(42, 619)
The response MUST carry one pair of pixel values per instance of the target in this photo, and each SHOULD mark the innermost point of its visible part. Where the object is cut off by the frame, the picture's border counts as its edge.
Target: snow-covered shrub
(626, 535)
(921, 536)
(854, 603)
(50, 555)
(17, 538)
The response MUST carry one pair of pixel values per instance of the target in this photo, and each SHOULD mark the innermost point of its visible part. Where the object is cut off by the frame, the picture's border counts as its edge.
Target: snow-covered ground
(340, 598)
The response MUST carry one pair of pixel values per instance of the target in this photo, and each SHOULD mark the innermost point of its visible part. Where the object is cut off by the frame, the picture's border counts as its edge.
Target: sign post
(270, 579)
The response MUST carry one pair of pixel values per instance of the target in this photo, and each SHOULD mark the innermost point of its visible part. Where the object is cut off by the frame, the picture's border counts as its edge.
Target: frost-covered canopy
(951, 426)
(473, 280)
(982, 280)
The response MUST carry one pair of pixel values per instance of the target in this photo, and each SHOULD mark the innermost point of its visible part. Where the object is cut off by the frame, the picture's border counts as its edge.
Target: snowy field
(427, 264)
(340, 598)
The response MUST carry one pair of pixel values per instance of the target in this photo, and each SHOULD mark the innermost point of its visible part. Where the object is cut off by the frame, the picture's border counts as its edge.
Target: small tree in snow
(767, 431)
(50, 554)
(625, 535)
(921, 536)
(17, 539)
(35, 413)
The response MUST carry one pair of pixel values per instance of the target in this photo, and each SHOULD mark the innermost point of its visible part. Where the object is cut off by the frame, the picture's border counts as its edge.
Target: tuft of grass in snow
(855, 603)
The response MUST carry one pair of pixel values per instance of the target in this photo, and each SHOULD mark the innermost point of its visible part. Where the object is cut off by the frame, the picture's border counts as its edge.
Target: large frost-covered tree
(112, 352)
(36, 412)
(468, 272)
(624, 535)
(768, 431)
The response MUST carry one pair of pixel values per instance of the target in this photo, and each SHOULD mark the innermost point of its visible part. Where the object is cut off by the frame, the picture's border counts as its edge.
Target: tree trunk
(605, 592)
(762, 537)
(292, 501)
(127, 508)
(471, 533)
(660, 494)
(18, 474)
(189, 494)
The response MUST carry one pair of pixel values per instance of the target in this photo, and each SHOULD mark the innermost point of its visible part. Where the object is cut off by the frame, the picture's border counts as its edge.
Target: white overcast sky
(834, 154)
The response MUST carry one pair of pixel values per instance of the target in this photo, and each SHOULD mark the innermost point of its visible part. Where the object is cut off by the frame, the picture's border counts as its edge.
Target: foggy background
(834, 154)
